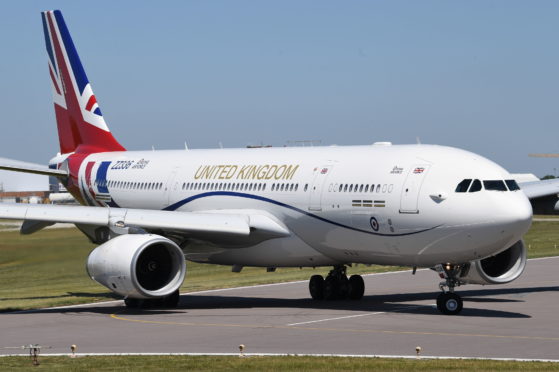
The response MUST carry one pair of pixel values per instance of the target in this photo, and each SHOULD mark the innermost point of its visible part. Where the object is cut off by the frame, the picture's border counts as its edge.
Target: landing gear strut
(169, 302)
(448, 302)
(336, 286)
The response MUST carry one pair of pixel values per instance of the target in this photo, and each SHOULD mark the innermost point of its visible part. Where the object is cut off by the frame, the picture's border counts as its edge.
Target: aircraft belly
(283, 252)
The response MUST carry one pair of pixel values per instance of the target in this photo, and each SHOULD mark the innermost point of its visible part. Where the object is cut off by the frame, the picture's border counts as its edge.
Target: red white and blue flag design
(79, 118)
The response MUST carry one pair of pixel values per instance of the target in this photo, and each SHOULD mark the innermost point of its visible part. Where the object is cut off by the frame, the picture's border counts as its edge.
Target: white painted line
(360, 315)
(292, 355)
(340, 317)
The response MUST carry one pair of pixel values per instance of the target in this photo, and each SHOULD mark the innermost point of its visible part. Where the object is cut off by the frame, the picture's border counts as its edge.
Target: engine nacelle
(499, 269)
(138, 266)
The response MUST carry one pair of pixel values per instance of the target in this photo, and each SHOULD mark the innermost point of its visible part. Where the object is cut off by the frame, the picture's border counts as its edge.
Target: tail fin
(81, 127)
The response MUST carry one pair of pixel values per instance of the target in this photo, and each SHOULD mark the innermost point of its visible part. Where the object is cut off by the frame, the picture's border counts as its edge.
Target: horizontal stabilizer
(20, 166)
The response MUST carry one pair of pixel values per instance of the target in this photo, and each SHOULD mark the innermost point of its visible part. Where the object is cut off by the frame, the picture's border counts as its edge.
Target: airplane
(421, 206)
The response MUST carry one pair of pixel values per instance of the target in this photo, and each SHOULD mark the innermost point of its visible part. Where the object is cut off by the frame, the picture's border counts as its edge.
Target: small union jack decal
(418, 170)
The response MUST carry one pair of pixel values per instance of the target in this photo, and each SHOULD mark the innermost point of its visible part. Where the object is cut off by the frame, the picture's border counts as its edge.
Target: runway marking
(360, 315)
(340, 317)
(337, 330)
(426, 357)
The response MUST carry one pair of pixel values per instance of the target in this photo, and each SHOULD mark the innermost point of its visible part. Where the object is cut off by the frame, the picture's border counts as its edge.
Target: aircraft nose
(517, 214)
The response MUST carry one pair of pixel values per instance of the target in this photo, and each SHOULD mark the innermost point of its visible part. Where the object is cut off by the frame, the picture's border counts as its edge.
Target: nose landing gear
(337, 286)
(448, 302)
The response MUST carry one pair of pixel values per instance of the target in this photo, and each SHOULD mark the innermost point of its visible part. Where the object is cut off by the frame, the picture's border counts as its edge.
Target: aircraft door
(412, 186)
(171, 187)
(317, 186)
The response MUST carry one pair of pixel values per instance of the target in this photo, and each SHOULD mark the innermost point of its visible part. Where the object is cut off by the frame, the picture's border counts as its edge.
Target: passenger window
(366, 188)
(378, 188)
(306, 187)
(463, 186)
(373, 187)
(361, 188)
(512, 185)
(494, 185)
(350, 188)
(476, 186)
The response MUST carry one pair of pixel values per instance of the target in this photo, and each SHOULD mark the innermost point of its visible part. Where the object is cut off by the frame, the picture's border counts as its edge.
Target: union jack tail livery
(81, 127)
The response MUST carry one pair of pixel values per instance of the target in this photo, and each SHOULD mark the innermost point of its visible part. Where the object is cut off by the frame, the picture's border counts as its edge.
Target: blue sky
(478, 75)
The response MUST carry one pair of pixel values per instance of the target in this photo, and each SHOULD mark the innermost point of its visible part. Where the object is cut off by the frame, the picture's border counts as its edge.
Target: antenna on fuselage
(185, 146)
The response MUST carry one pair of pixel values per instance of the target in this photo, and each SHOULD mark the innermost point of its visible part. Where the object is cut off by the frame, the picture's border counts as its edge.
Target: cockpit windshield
(495, 185)
(512, 185)
(469, 185)
(463, 186)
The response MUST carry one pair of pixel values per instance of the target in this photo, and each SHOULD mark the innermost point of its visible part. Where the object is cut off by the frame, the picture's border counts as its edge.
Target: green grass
(290, 363)
(48, 268)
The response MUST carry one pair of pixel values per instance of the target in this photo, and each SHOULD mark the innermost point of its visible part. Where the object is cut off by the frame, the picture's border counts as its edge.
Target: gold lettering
(198, 174)
(273, 169)
(262, 171)
(223, 171)
(279, 174)
(241, 174)
(231, 172)
(289, 173)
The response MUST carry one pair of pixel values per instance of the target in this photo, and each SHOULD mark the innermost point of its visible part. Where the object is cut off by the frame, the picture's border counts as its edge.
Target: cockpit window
(463, 186)
(512, 185)
(494, 185)
(476, 186)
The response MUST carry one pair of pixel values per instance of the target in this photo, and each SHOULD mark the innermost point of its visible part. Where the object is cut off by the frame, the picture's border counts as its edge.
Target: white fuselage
(378, 204)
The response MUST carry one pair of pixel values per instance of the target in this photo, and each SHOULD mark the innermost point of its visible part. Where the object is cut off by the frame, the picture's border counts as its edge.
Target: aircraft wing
(20, 166)
(234, 227)
(540, 189)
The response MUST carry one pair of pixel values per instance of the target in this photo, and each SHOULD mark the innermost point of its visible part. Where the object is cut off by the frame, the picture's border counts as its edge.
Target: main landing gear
(169, 302)
(448, 302)
(336, 286)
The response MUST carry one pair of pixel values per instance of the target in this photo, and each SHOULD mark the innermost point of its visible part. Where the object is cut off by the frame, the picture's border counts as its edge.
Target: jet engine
(138, 266)
(499, 269)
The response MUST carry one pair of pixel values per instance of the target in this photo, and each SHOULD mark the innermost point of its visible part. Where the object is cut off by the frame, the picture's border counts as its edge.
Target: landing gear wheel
(356, 287)
(132, 303)
(172, 301)
(330, 288)
(316, 287)
(343, 288)
(449, 303)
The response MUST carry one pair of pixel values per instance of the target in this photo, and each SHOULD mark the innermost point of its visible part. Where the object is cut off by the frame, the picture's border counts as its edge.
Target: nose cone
(518, 213)
(510, 214)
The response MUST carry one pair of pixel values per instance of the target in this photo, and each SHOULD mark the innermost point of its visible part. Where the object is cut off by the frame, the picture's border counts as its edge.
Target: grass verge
(289, 363)
(47, 268)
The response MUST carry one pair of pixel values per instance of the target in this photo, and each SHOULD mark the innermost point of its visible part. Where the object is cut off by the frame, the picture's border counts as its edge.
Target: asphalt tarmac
(397, 314)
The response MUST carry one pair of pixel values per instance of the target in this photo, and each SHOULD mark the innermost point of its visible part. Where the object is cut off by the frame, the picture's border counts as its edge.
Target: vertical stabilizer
(81, 127)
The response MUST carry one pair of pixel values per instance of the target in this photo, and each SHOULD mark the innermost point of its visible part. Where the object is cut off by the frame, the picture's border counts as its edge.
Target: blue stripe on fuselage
(101, 178)
(179, 204)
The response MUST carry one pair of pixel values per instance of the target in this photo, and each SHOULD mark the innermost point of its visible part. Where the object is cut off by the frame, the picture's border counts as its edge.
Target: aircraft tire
(356, 287)
(449, 303)
(132, 303)
(172, 301)
(316, 287)
(344, 288)
(331, 288)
